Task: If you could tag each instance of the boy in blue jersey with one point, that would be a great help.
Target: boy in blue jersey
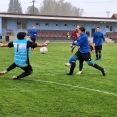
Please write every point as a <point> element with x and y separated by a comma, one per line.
<point>83,54</point>
<point>33,34</point>
<point>22,53</point>
<point>98,38</point>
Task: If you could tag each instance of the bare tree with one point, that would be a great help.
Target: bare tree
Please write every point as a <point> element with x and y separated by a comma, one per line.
<point>30,10</point>
<point>53,7</point>
<point>14,7</point>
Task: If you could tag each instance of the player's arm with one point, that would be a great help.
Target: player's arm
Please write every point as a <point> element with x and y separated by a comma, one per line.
<point>79,43</point>
<point>104,40</point>
<point>93,39</point>
<point>34,45</point>
<point>3,45</point>
<point>10,44</point>
<point>29,33</point>
<point>91,48</point>
<point>36,33</point>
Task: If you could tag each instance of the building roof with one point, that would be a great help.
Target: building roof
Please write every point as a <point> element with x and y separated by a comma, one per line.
<point>56,17</point>
<point>114,16</point>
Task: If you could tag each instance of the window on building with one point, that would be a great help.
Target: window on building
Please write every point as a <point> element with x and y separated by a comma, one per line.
<point>4,25</point>
<point>74,25</point>
<point>66,25</point>
<point>109,28</point>
<point>83,25</point>
<point>46,24</point>
<point>21,25</point>
<point>57,25</point>
<point>37,24</point>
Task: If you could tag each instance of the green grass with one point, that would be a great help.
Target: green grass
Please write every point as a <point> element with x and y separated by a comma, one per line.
<point>58,97</point>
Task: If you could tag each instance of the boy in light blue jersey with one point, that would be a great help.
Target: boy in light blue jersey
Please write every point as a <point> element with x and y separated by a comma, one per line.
<point>98,38</point>
<point>21,54</point>
<point>83,54</point>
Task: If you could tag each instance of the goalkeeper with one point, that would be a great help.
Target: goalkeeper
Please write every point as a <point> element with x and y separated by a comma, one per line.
<point>22,53</point>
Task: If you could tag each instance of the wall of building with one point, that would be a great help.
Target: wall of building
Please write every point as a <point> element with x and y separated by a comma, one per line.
<point>0,26</point>
<point>71,25</point>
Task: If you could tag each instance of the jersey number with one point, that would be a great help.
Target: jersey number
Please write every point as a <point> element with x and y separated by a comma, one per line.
<point>17,47</point>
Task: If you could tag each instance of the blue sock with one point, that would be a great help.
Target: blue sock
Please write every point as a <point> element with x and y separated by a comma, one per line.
<point>73,58</point>
<point>80,67</point>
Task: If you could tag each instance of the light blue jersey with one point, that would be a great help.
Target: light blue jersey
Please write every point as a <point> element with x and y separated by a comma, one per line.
<point>21,50</point>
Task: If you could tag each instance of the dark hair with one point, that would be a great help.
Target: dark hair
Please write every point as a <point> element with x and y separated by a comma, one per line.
<point>82,29</point>
<point>98,27</point>
<point>21,35</point>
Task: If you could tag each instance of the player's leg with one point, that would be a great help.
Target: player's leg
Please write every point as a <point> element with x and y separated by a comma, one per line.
<point>90,63</point>
<point>72,63</point>
<point>27,71</point>
<point>80,66</point>
<point>11,67</point>
<point>96,53</point>
<point>87,58</point>
<point>99,55</point>
<point>73,58</point>
<point>100,48</point>
<point>33,40</point>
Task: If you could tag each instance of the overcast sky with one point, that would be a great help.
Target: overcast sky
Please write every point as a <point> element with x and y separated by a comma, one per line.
<point>92,8</point>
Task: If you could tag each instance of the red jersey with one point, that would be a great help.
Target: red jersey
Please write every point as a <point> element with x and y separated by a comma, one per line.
<point>91,47</point>
<point>74,35</point>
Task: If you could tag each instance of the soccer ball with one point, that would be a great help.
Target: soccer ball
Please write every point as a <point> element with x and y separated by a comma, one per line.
<point>43,50</point>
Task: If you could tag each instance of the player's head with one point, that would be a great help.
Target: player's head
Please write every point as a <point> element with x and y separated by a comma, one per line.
<point>77,28</point>
<point>21,35</point>
<point>98,29</point>
<point>81,30</point>
<point>34,27</point>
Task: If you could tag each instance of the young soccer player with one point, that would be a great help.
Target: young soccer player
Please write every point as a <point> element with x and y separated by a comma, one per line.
<point>83,54</point>
<point>97,40</point>
<point>75,36</point>
<point>33,34</point>
<point>81,62</point>
<point>22,54</point>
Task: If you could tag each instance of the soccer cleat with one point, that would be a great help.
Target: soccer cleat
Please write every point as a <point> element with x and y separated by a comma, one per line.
<point>3,72</point>
<point>67,64</point>
<point>96,59</point>
<point>15,77</point>
<point>99,59</point>
<point>79,72</point>
<point>103,72</point>
<point>69,74</point>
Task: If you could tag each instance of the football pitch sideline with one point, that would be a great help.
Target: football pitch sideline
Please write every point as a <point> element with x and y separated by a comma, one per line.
<point>49,92</point>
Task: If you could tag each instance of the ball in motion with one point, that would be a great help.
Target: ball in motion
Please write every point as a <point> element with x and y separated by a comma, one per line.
<point>43,50</point>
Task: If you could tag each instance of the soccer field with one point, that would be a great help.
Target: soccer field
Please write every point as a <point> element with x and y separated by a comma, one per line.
<point>48,92</point>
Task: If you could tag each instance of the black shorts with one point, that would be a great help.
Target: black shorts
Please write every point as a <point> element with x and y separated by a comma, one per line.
<point>33,39</point>
<point>83,56</point>
<point>26,69</point>
<point>98,47</point>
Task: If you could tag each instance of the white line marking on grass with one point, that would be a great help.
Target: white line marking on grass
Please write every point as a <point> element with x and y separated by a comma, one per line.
<point>80,87</point>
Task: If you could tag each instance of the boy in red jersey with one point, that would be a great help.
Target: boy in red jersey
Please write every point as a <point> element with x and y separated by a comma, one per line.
<point>75,36</point>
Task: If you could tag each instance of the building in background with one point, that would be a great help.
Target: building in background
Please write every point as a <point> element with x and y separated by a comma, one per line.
<point>11,24</point>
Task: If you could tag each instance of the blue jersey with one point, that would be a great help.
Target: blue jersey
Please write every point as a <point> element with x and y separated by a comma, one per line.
<point>98,38</point>
<point>32,33</point>
<point>21,53</point>
<point>83,42</point>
